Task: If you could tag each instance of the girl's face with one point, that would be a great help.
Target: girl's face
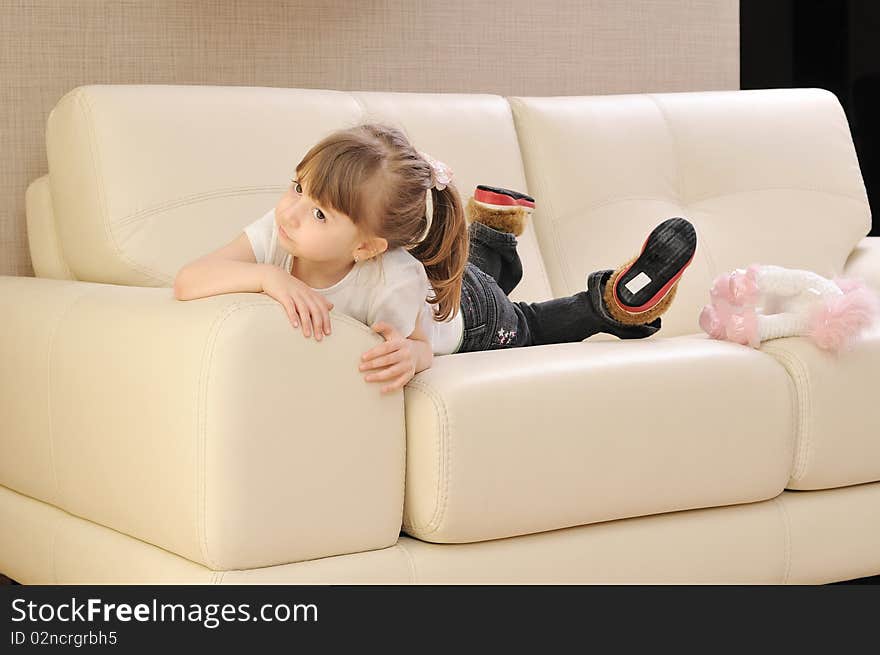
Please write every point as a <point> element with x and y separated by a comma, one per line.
<point>312,232</point>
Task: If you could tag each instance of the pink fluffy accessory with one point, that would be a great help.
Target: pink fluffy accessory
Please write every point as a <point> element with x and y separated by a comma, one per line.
<point>739,287</point>
<point>442,173</point>
<point>749,306</point>
<point>721,320</point>
<point>837,321</point>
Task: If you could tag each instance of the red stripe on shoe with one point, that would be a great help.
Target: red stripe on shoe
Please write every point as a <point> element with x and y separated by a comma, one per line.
<point>492,198</point>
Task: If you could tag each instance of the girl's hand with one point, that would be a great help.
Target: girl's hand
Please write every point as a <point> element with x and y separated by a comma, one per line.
<point>302,303</point>
<point>396,355</point>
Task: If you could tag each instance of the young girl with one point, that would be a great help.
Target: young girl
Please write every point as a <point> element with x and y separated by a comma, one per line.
<point>375,229</point>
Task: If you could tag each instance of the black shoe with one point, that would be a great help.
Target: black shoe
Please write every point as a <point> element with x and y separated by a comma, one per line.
<point>666,253</point>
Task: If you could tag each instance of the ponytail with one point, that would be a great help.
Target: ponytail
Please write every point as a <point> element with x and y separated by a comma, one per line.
<point>444,251</point>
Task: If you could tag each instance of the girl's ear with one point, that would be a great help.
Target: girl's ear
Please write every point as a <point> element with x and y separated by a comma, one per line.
<point>372,247</point>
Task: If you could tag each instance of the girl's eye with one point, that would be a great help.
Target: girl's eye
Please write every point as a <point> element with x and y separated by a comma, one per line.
<point>319,214</point>
<point>297,187</point>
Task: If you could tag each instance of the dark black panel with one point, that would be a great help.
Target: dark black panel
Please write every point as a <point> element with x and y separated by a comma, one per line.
<point>829,44</point>
<point>766,51</point>
<point>820,39</point>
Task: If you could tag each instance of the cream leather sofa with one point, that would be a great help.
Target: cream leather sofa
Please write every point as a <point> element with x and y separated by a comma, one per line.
<point>149,440</point>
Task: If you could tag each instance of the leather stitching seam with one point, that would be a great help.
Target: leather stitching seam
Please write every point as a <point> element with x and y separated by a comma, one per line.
<point>443,460</point>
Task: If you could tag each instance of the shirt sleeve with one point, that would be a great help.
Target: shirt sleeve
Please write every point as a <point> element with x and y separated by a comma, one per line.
<point>400,301</point>
<point>259,233</point>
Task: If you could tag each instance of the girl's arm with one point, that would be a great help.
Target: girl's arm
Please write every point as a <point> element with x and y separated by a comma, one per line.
<point>230,269</point>
<point>424,355</point>
<point>234,269</point>
<point>422,347</point>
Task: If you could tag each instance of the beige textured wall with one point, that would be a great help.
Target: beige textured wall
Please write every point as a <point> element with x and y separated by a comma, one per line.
<point>520,47</point>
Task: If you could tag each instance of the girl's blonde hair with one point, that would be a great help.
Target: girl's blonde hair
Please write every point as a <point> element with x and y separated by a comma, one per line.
<point>373,174</point>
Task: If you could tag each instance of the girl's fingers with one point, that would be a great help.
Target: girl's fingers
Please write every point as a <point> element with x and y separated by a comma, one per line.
<point>387,374</point>
<point>314,317</point>
<point>326,315</point>
<point>399,383</point>
<point>291,312</point>
<point>381,349</point>
<point>317,320</point>
<point>320,317</point>
<point>379,362</point>
<point>304,316</point>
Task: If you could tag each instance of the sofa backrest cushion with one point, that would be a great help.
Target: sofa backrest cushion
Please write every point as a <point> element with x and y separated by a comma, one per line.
<point>147,178</point>
<point>766,176</point>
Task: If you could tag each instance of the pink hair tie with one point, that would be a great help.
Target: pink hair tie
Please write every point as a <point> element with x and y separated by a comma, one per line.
<point>442,173</point>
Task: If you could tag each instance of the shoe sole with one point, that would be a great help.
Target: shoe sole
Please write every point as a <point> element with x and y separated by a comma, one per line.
<point>665,255</point>
<point>498,198</point>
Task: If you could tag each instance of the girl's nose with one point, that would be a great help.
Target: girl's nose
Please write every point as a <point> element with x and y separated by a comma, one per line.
<point>293,215</point>
<point>297,214</point>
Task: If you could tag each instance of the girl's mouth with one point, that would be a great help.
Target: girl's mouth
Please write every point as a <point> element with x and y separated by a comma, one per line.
<point>283,233</point>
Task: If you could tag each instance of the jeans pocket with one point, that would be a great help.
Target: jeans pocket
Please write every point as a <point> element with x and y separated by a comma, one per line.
<point>506,322</point>
<point>473,339</point>
<point>475,332</point>
<point>474,310</point>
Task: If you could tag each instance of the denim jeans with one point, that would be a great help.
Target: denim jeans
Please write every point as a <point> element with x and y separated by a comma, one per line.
<point>493,321</point>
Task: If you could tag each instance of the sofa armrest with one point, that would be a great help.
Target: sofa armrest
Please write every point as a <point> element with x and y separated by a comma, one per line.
<point>210,428</point>
<point>864,262</point>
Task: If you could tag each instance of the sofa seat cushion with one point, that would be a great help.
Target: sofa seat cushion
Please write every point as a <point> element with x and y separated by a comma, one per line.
<point>509,442</point>
<point>838,419</point>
